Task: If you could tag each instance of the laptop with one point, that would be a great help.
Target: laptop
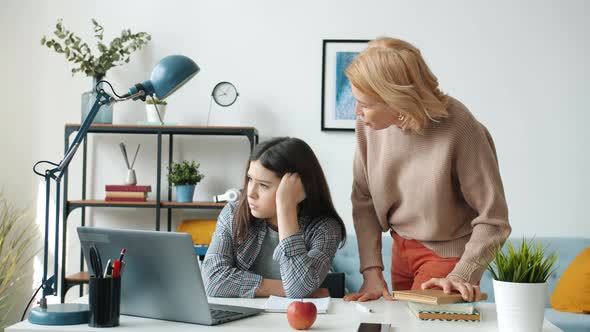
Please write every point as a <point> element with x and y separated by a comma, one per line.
<point>161,278</point>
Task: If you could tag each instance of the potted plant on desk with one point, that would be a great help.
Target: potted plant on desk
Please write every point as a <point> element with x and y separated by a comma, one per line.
<point>520,285</point>
<point>184,176</point>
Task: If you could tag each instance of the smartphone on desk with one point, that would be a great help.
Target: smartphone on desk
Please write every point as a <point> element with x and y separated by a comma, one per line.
<point>373,327</point>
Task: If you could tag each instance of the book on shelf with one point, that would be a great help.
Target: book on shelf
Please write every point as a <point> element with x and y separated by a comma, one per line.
<point>431,296</point>
<point>125,199</point>
<point>124,187</point>
<point>126,194</point>
<point>454,308</point>
<point>475,316</point>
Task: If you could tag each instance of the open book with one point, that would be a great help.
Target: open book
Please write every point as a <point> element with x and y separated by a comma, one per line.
<point>430,296</point>
<point>280,304</point>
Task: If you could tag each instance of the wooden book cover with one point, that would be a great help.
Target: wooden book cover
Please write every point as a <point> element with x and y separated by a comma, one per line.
<point>430,296</point>
<point>425,315</point>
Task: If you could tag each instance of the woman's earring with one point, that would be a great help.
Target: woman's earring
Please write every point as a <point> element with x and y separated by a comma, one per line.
<point>401,117</point>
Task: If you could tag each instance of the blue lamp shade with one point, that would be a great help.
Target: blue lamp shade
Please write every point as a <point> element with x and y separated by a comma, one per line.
<point>169,74</point>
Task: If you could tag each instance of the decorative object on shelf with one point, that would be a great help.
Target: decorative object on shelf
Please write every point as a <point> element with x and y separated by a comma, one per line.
<point>127,193</point>
<point>184,176</point>
<point>155,110</point>
<point>17,236</point>
<point>117,52</point>
<point>169,75</point>
<point>223,94</point>
<point>520,285</point>
<point>231,195</point>
<point>337,100</point>
<point>130,179</point>
<point>201,232</point>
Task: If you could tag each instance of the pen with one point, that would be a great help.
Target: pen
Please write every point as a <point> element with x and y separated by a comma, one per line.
<point>116,268</point>
<point>108,272</point>
<point>123,251</point>
<point>95,261</point>
<point>99,261</point>
<point>363,308</point>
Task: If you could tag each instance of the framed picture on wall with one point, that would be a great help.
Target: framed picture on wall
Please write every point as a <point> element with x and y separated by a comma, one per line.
<point>337,100</point>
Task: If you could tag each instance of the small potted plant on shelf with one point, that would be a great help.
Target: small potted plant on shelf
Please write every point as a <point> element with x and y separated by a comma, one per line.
<point>155,109</point>
<point>520,284</point>
<point>184,176</point>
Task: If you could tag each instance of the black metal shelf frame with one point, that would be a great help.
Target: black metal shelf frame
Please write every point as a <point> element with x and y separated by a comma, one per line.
<point>250,132</point>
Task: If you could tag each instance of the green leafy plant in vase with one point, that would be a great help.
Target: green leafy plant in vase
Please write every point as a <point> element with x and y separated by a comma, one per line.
<point>116,53</point>
<point>184,176</point>
<point>520,284</point>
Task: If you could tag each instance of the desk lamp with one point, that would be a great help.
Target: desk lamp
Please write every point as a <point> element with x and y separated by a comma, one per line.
<point>169,74</point>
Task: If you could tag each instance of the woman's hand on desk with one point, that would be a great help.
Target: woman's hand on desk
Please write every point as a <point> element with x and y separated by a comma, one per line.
<point>469,291</point>
<point>374,286</point>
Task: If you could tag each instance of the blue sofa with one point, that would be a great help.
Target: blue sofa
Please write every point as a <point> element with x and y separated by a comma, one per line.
<point>347,261</point>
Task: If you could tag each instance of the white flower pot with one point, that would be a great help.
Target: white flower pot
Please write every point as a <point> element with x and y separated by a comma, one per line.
<point>152,115</point>
<point>520,307</point>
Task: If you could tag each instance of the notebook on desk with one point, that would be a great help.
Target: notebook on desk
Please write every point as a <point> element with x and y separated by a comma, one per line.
<point>161,278</point>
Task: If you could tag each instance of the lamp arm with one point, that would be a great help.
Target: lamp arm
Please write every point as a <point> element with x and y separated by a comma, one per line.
<point>101,99</point>
<point>50,284</point>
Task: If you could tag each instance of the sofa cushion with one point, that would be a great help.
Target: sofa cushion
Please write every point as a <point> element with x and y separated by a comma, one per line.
<point>572,293</point>
<point>567,321</point>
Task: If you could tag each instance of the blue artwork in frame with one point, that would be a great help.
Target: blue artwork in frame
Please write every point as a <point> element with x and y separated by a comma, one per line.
<point>344,99</point>
<point>337,100</point>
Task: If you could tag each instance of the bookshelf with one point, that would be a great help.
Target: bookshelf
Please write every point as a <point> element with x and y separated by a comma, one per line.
<point>159,132</point>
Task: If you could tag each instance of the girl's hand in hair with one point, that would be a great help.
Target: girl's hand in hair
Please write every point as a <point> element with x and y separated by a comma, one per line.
<point>290,191</point>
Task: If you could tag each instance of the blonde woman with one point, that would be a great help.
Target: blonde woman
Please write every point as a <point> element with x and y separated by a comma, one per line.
<point>426,171</point>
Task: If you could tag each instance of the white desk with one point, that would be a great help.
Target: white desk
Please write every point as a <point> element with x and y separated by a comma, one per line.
<point>341,316</point>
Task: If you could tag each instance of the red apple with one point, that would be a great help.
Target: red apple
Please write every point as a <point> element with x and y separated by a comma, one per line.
<point>301,315</point>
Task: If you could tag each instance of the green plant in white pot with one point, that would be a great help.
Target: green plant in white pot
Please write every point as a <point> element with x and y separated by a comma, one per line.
<point>184,176</point>
<point>155,110</point>
<point>520,285</point>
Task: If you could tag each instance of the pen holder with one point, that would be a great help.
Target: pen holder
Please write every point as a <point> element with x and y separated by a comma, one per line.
<point>104,301</point>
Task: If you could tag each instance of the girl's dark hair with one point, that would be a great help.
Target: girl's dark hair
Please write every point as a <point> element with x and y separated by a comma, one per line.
<point>288,155</point>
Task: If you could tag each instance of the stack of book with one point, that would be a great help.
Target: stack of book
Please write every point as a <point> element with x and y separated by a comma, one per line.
<point>126,193</point>
<point>432,304</point>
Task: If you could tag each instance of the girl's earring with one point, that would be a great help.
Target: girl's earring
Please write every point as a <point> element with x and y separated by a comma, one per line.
<point>401,117</point>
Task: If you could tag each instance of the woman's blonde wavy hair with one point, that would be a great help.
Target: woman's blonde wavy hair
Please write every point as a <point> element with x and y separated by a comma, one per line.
<point>393,71</point>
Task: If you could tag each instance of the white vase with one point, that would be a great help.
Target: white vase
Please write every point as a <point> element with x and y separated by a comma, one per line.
<point>152,115</point>
<point>520,306</point>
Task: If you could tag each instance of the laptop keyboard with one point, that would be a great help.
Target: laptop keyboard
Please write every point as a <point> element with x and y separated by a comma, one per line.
<point>222,314</point>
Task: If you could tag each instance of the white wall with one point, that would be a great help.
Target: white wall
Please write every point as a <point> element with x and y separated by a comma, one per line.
<point>522,68</point>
